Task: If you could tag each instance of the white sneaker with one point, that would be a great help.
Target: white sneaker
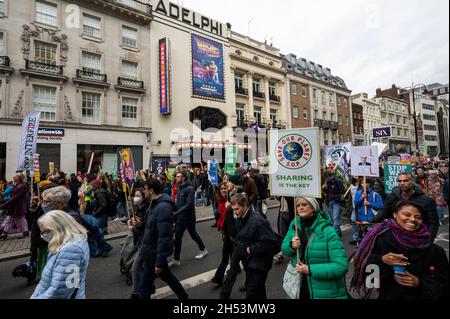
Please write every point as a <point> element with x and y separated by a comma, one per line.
<point>202,254</point>
<point>174,263</point>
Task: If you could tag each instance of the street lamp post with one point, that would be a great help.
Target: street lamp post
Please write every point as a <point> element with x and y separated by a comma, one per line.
<point>413,88</point>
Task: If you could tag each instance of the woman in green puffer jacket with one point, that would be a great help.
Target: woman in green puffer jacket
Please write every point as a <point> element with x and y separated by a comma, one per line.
<point>323,258</point>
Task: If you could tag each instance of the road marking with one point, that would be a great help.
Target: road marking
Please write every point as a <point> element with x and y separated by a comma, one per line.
<point>442,237</point>
<point>189,283</point>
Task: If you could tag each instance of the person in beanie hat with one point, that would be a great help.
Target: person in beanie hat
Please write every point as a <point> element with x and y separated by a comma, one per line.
<point>323,261</point>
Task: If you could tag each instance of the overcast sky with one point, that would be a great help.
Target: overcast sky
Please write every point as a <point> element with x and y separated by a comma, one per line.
<point>369,44</point>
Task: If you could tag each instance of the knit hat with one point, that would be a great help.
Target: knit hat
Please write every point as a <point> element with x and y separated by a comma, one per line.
<point>96,183</point>
<point>313,202</point>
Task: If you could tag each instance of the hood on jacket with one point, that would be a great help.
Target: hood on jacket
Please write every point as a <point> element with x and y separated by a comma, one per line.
<point>164,198</point>
<point>323,220</point>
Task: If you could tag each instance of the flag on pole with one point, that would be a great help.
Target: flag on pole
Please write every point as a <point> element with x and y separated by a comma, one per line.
<point>30,127</point>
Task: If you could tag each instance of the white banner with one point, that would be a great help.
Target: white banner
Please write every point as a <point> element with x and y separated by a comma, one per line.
<point>365,161</point>
<point>337,153</point>
<point>295,163</point>
<point>30,127</point>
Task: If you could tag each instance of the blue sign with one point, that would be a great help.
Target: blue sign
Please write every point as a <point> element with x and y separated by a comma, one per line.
<point>207,69</point>
<point>383,132</point>
<point>213,172</point>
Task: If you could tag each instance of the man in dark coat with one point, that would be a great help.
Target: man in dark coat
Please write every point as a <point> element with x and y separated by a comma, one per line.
<point>249,187</point>
<point>100,211</point>
<point>186,219</point>
<point>334,189</point>
<point>408,190</point>
<point>157,243</point>
<point>255,245</point>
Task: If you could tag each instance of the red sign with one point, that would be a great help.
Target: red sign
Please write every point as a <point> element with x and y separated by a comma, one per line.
<point>164,76</point>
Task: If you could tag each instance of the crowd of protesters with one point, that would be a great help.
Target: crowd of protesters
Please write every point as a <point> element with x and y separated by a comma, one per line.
<point>158,208</point>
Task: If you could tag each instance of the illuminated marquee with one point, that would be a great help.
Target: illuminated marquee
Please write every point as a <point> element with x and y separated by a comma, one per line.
<point>164,77</point>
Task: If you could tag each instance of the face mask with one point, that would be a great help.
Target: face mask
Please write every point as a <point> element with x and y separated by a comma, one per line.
<point>235,216</point>
<point>47,237</point>
<point>46,207</point>
<point>137,201</point>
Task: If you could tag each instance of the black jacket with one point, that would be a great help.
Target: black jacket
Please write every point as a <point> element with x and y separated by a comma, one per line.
<point>429,265</point>
<point>255,232</point>
<point>100,203</point>
<point>334,190</point>
<point>138,230</point>
<point>157,243</point>
<point>419,198</point>
<point>262,184</point>
<point>229,224</point>
<point>185,208</point>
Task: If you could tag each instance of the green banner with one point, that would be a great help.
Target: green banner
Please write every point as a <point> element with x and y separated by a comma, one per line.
<point>391,172</point>
<point>231,156</point>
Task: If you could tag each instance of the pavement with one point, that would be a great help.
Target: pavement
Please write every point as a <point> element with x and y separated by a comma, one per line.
<point>104,280</point>
<point>15,247</point>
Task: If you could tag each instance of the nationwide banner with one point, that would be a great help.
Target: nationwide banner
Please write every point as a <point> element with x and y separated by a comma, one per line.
<point>295,163</point>
<point>30,128</point>
<point>391,172</point>
<point>207,69</point>
<point>127,170</point>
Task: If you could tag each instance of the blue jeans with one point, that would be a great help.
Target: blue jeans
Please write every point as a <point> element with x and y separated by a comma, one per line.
<point>335,211</point>
<point>355,228</point>
<point>98,243</point>
<point>440,212</point>
<point>121,210</point>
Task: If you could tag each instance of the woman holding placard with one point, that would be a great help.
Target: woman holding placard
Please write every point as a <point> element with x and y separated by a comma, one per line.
<point>317,252</point>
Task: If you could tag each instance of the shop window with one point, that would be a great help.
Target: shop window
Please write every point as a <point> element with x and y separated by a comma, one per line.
<point>48,153</point>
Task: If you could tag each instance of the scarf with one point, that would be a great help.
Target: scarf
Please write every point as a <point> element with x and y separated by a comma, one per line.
<point>284,205</point>
<point>406,240</point>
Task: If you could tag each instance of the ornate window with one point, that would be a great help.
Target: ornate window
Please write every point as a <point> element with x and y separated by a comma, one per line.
<point>45,52</point>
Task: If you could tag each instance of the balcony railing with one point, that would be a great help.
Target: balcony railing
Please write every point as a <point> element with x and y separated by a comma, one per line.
<point>131,83</point>
<point>326,124</point>
<point>241,90</point>
<point>4,60</point>
<point>43,67</point>
<point>137,5</point>
<point>92,76</point>
<point>275,98</point>
<point>317,123</point>
<point>334,125</point>
<point>259,95</point>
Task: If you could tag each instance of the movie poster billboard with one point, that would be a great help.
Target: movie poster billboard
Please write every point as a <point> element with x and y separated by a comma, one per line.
<point>207,69</point>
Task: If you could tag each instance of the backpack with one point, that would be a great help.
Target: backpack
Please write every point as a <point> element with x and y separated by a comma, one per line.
<point>112,205</point>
